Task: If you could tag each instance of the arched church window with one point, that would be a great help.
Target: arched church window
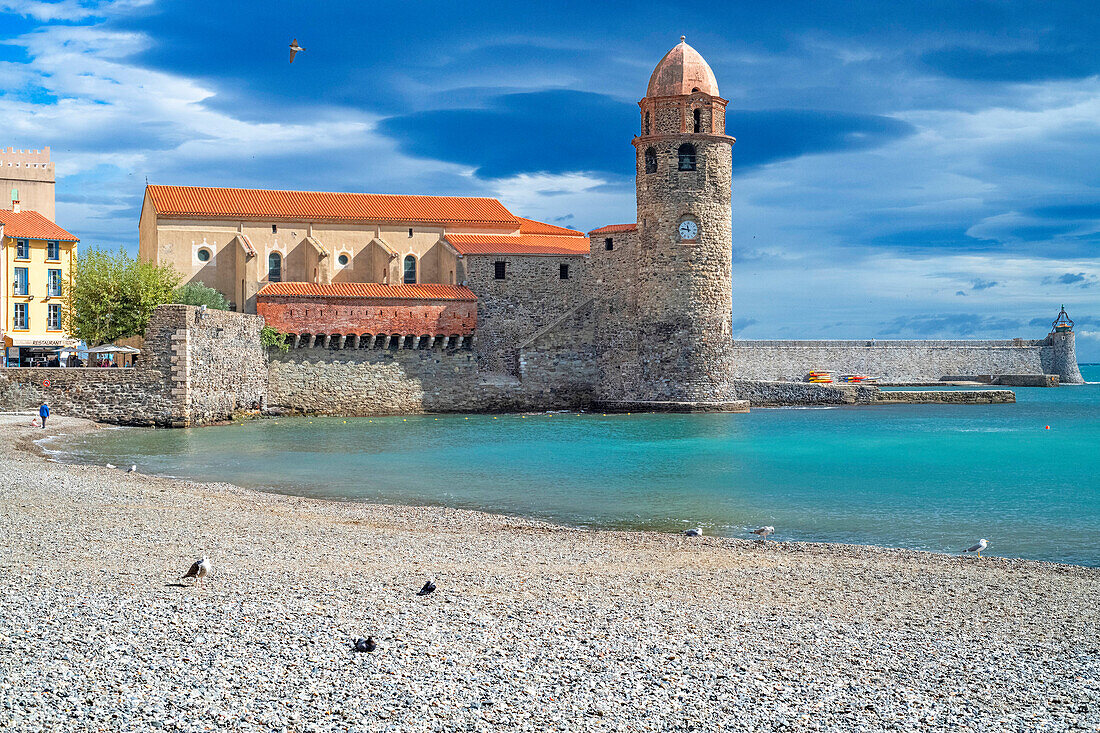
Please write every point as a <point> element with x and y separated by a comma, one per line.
<point>686,155</point>
<point>410,270</point>
<point>274,267</point>
<point>647,123</point>
<point>698,120</point>
<point>650,160</point>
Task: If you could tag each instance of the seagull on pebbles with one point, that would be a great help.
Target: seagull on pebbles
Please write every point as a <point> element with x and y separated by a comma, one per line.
<point>763,532</point>
<point>694,532</point>
<point>200,569</point>
<point>982,544</point>
<point>132,468</point>
<point>428,589</point>
<point>365,645</point>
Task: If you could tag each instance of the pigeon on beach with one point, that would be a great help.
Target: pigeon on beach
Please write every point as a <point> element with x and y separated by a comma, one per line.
<point>763,532</point>
<point>428,588</point>
<point>294,49</point>
<point>200,569</point>
<point>132,468</point>
<point>365,645</point>
<point>982,544</point>
<point>694,532</point>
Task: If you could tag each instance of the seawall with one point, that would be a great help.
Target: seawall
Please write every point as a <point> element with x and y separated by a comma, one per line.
<point>194,369</point>
<point>907,361</point>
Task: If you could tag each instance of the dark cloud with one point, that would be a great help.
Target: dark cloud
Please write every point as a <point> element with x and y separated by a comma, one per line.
<point>1080,279</point>
<point>982,64</point>
<point>954,324</point>
<point>960,292</point>
<point>563,131</point>
<point>740,324</point>
<point>979,284</point>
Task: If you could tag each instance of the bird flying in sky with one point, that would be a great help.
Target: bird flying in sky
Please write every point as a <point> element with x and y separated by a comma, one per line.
<point>294,49</point>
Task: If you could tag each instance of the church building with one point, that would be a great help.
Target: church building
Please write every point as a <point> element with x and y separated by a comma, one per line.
<point>648,301</point>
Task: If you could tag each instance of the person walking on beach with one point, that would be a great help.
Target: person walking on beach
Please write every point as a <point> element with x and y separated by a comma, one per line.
<point>44,412</point>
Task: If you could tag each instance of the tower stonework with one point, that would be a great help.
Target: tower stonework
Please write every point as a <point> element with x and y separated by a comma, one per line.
<point>667,301</point>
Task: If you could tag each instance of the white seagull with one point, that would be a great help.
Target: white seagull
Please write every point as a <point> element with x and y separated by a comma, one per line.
<point>200,569</point>
<point>763,532</point>
<point>132,468</point>
<point>982,544</point>
<point>696,532</point>
<point>294,49</point>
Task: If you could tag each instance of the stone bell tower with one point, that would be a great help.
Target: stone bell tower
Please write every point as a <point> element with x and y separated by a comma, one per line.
<point>681,270</point>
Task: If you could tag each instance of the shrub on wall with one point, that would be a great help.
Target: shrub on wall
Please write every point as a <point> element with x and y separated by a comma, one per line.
<point>269,338</point>
<point>113,295</point>
<point>199,294</point>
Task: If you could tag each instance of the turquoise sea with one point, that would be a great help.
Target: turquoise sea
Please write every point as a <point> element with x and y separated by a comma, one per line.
<point>929,477</point>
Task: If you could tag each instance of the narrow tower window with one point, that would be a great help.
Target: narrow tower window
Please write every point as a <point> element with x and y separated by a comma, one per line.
<point>499,270</point>
<point>650,160</point>
<point>647,123</point>
<point>698,120</point>
<point>274,267</point>
<point>686,155</point>
<point>410,270</point>
<point>563,271</point>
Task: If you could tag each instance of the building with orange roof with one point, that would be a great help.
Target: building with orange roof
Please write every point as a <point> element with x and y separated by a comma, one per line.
<point>241,241</point>
<point>39,263</point>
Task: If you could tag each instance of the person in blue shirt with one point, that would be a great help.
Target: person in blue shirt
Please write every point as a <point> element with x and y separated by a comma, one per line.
<point>44,412</point>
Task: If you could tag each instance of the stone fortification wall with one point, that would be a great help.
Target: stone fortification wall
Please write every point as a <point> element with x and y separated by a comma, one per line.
<point>531,295</point>
<point>410,381</point>
<point>899,361</point>
<point>193,369</point>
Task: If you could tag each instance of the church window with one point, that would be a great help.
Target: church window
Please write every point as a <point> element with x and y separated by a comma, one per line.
<point>410,270</point>
<point>274,267</point>
<point>686,155</point>
<point>609,244</point>
<point>698,120</point>
<point>650,160</point>
<point>274,228</point>
<point>342,259</point>
<point>203,255</point>
<point>563,271</point>
<point>499,269</point>
<point>410,231</point>
<point>647,123</point>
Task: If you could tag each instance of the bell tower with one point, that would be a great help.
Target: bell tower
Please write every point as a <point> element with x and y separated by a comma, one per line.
<point>683,261</point>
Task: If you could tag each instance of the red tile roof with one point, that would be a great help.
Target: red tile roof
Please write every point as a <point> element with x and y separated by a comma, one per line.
<point>530,226</point>
<point>522,244</point>
<point>32,225</point>
<point>243,203</point>
<point>614,229</point>
<point>368,290</point>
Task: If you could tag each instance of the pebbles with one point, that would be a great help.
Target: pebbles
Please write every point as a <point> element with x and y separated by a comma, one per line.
<point>533,627</point>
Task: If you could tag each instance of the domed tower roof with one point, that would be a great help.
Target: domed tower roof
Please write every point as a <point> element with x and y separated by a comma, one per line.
<point>682,71</point>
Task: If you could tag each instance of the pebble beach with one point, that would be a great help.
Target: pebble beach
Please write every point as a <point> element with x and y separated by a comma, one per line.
<point>533,626</point>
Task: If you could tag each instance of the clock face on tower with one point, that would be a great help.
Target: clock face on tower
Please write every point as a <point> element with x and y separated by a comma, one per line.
<point>688,230</point>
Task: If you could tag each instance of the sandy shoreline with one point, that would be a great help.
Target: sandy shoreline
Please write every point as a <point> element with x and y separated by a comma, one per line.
<point>534,626</point>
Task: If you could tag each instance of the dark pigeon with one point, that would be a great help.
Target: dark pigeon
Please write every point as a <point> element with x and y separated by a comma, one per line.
<point>365,645</point>
<point>428,588</point>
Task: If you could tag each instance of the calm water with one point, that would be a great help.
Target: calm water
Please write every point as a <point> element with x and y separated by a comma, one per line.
<point>933,477</point>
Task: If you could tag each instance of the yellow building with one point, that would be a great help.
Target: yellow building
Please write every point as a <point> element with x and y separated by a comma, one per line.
<point>37,265</point>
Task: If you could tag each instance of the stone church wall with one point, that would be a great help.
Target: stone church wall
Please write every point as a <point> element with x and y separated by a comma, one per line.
<point>531,295</point>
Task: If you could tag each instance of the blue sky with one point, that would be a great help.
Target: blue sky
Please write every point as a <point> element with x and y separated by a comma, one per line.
<point>902,169</point>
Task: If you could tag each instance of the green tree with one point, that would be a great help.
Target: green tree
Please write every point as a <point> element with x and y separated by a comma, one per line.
<point>113,295</point>
<point>199,294</point>
<point>273,338</point>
